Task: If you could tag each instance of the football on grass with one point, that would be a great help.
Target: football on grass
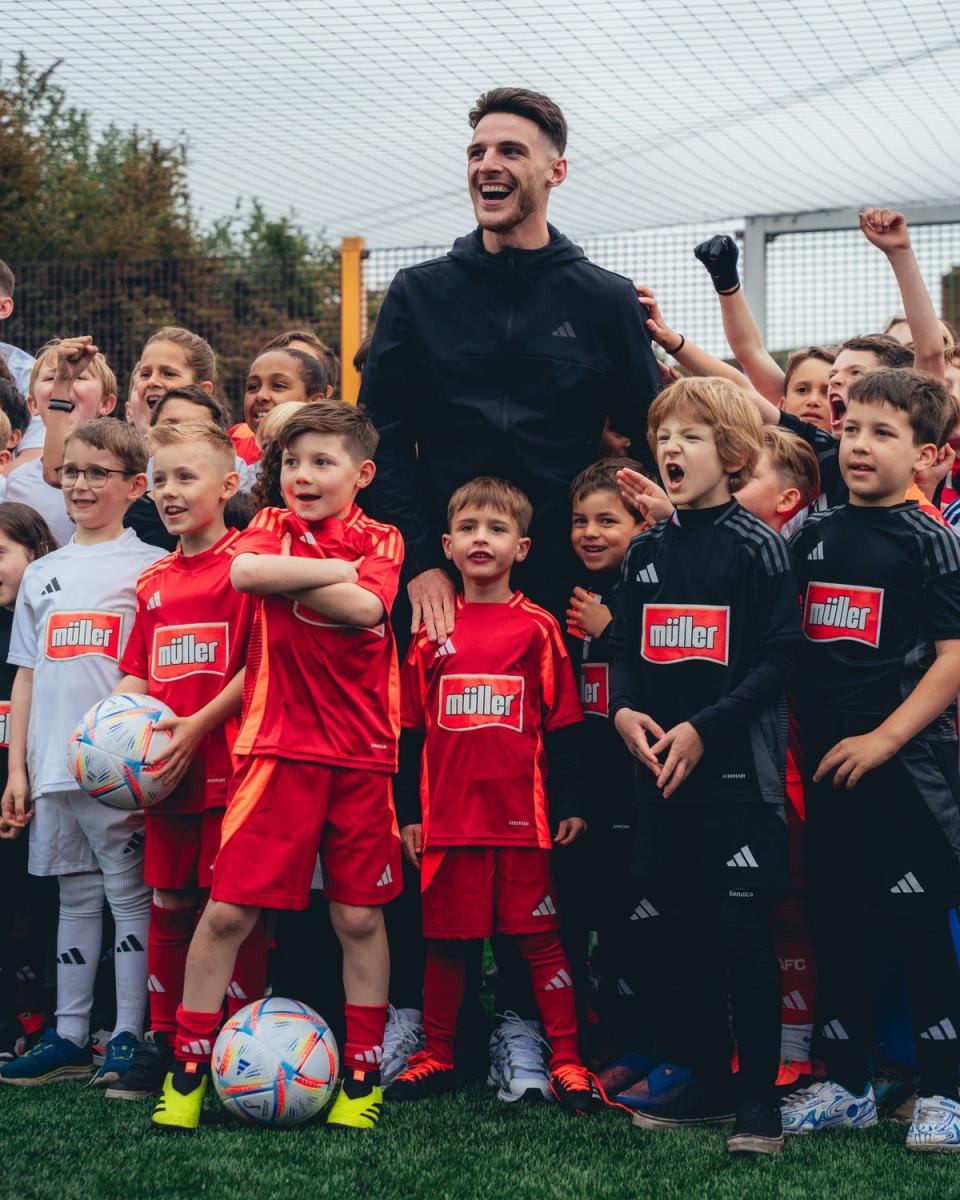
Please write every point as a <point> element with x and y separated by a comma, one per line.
<point>116,751</point>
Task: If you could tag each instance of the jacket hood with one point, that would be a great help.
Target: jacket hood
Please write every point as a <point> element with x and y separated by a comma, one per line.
<point>513,264</point>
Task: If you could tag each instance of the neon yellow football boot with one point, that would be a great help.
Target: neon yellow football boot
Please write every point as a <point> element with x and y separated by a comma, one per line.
<point>358,1104</point>
<point>178,1111</point>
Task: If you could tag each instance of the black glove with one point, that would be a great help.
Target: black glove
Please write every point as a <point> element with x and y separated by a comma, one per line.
<point>719,255</point>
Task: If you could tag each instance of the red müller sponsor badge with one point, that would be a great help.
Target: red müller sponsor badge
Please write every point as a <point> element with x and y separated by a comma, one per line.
<point>835,612</point>
<point>675,633</point>
<point>75,634</point>
<point>182,650</point>
<point>469,702</point>
<point>595,689</point>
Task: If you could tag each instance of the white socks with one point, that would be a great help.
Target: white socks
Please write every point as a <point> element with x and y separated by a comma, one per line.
<point>79,936</point>
<point>129,899</point>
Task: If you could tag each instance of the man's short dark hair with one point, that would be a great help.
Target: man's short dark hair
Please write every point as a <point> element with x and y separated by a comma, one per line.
<point>887,350</point>
<point>930,409</point>
<point>536,107</point>
<point>7,280</point>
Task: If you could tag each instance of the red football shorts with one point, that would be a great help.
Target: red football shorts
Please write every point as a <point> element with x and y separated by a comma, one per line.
<point>476,891</point>
<point>282,811</point>
<point>180,850</point>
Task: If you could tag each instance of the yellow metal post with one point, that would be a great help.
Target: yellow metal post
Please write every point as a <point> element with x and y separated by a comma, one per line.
<point>352,315</point>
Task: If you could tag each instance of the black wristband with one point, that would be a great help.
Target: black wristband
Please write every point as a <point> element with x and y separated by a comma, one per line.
<point>60,405</point>
<point>674,353</point>
<point>730,291</point>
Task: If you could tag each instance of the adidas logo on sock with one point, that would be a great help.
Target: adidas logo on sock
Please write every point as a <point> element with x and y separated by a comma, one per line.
<point>447,648</point>
<point>943,1031</point>
<point>648,574</point>
<point>908,886</point>
<point>72,958</point>
<point>564,330</point>
<point>643,910</point>
<point>835,1032</point>
<point>154,985</point>
<point>129,944</point>
<point>373,1056</point>
<point>52,586</point>
<point>546,908</point>
<point>386,878</point>
<point>560,980</point>
<point>816,554</point>
<point>200,1046</point>
<point>795,1002</point>
<point>134,844</point>
<point>154,601</point>
<point>235,991</point>
<point>743,858</point>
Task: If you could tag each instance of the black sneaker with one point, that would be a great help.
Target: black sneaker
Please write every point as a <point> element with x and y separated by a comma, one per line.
<point>575,1089</point>
<point>758,1129</point>
<point>152,1059</point>
<point>692,1107</point>
<point>423,1076</point>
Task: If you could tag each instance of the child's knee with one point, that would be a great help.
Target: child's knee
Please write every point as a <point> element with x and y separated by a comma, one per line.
<point>355,922</point>
<point>228,922</point>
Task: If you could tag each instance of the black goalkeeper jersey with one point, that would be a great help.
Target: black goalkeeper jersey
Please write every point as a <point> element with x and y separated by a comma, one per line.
<point>609,762</point>
<point>833,490</point>
<point>706,631</point>
<point>880,586</point>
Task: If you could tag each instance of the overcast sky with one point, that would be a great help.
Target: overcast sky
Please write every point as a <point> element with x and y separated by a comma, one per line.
<point>353,114</point>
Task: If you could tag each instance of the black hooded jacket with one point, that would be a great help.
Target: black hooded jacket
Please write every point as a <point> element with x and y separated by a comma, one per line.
<point>502,364</point>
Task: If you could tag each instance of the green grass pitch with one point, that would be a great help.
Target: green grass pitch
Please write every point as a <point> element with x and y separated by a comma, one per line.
<point>66,1142</point>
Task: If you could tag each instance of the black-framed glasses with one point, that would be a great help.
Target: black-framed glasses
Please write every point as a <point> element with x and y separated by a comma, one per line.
<point>96,477</point>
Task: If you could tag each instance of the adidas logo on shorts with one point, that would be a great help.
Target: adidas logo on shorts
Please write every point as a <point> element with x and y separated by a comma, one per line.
<point>907,886</point>
<point>795,1002</point>
<point>743,858</point>
<point>560,980</point>
<point>943,1031</point>
<point>835,1032</point>
<point>546,908</point>
<point>565,331</point>
<point>386,878</point>
<point>643,911</point>
<point>135,843</point>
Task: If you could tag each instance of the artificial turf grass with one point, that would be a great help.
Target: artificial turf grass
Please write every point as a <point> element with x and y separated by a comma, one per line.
<point>68,1142</point>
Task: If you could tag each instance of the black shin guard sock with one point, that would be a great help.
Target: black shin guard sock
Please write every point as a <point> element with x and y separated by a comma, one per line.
<point>360,1083</point>
<point>188,1076</point>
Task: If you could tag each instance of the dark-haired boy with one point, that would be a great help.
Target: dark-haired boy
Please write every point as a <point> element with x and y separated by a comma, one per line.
<point>881,596</point>
<point>318,748</point>
<point>488,707</point>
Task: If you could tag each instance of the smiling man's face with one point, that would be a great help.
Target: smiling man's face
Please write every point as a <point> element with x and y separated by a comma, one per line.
<point>511,167</point>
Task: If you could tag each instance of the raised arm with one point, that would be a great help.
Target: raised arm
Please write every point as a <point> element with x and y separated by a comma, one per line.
<point>719,255</point>
<point>887,230</point>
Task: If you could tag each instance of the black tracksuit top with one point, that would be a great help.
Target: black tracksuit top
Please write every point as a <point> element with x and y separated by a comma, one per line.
<point>706,631</point>
<point>502,364</point>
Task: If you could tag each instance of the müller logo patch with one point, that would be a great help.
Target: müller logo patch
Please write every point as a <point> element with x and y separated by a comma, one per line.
<point>469,702</point>
<point>182,650</point>
<point>4,724</point>
<point>834,612</point>
<point>595,689</point>
<point>680,632</point>
<point>76,634</point>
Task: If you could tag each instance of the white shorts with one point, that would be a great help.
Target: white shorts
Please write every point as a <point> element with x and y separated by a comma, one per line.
<point>70,832</point>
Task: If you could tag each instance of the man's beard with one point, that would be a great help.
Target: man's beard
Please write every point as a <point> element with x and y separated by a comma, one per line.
<point>502,222</point>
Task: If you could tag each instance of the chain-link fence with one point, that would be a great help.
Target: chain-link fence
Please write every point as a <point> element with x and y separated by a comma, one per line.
<point>818,285</point>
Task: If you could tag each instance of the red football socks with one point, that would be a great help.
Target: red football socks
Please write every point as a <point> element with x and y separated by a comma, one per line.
<point>168,941</point>
<point>444,975</point>
<point>363,1048</point>
<point>249,977</point>
<point>196,1033</point>
<point>553,989</point>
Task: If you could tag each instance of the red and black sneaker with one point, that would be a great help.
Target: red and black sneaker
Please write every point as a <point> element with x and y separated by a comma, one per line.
<point>423,1076</point>
<point>575,1088</point>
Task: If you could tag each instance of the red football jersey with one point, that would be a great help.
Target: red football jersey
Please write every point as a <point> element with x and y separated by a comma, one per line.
<point>189,639</point>
<point>485,699</point>
<point>317,690</point>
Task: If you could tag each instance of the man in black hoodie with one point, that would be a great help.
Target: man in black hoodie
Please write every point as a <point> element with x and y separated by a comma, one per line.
<point>502,358</point>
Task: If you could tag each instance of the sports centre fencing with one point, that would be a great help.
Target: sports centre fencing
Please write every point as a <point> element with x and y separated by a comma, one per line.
<point>809,277</point>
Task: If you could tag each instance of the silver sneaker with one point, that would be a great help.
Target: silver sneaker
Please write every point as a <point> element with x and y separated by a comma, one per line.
<point>517,1068</point>
<point>402,1038</point>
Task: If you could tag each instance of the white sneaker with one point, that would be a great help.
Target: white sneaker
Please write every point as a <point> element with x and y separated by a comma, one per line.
<point>827,1105</point>
<point>517,1068</point>
<point>402,1038</point>
<point>936,1125</point>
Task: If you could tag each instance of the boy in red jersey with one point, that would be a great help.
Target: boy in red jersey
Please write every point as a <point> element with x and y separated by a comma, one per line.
<point>491,701</point>
<point>321,690</point>
<point>187,648</point>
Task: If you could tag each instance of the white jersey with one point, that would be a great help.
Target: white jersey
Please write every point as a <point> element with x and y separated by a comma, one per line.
<point>21,366</point>
<point>73,616</point>
<point>26,485</point>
